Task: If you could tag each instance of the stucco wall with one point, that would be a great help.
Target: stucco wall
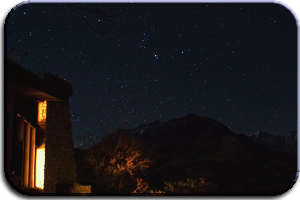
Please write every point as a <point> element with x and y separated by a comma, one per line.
<point>60,167</point>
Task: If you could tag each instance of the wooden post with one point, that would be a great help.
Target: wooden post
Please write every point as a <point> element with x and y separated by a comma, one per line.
<point>32,158</point>
<point>26,155</point>
<point>20,137</point>
<point>20,141</point>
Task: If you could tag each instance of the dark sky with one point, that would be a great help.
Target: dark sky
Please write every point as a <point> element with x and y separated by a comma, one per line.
<point>236,63</point>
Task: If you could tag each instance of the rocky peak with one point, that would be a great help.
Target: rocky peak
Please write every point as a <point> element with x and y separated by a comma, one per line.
<point>260,133</point>
<point>291,138</point>
<point>275,142</point>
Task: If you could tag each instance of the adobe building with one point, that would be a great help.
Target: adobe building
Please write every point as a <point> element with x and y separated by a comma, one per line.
<point>38,133</point>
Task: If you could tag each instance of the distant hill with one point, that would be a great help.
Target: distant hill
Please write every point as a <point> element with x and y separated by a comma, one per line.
<point>194,147</point>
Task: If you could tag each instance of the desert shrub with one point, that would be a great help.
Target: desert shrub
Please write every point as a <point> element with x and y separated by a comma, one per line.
<point>191,186</point>
<point>155,193</point>
<point>182,187</point>
<point>117,160</point>
<point>143,189</point>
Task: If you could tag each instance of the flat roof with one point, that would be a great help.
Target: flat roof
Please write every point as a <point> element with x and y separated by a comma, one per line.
<point>26,83</point>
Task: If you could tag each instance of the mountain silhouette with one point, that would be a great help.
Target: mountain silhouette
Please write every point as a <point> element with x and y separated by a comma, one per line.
<point>195,147</point>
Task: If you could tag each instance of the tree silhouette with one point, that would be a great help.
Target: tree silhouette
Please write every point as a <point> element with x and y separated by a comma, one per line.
<point>88,139</point>
<point>118,161</point>
<point>97,12</point>
<point>90,13</point>
<point>13,51</point>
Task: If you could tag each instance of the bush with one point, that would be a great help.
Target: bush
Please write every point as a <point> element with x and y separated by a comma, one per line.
<point>142,189</point>
<point>181,187</point>
<point>191,186</point>
<point>155,193</point>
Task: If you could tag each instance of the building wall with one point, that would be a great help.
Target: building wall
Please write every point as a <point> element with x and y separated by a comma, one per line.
<point>60,167</point>
<point>14,151</point>
<point>10,101</point>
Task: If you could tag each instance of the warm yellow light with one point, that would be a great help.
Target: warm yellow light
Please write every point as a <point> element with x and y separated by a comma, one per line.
<point>40,167</point>
<point>42,111</point>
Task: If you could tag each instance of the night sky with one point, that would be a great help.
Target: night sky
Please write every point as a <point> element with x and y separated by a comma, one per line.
<point>236,63</point>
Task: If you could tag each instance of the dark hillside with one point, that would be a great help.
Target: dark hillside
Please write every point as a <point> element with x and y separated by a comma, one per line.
<point>195,147</point>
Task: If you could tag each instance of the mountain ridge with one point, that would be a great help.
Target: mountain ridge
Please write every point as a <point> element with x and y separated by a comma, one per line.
<point>286,143</point>
<point>193,147</point>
